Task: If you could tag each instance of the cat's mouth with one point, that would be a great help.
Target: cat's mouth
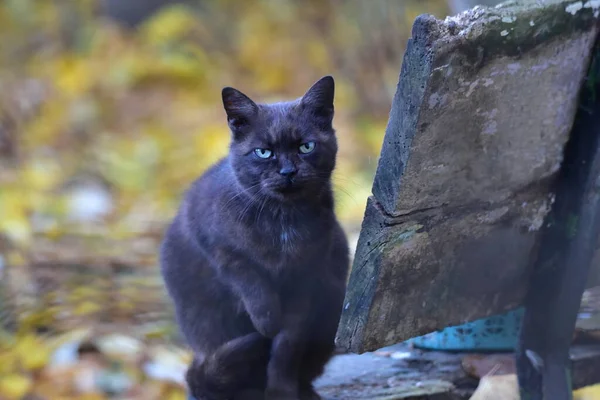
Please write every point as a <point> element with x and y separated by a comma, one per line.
<point>286,188</point>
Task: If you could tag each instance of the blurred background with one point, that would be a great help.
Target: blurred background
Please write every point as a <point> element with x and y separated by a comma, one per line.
<point>108,110</point>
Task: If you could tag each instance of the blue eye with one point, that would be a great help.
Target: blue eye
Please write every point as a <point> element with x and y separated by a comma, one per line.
<point>263,153</point>
<point>307,147</point>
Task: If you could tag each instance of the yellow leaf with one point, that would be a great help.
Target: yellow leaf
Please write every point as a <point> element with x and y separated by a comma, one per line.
<point>170,24</point>
<point>38,175</point>
<point>14,387</point>
<point>317,55</point>
<point>14,221</point>
<point>15,258</point>
<point>176,394</point>
<point>587,393</point>
<point>9,362</point>
<point>211,144</point>
<point>87,307</point>
<point>32,352</point>
<point>46,126</point>
<point>73,76</point>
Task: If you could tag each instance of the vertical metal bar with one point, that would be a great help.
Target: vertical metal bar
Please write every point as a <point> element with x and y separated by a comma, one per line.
<point>566,249</point>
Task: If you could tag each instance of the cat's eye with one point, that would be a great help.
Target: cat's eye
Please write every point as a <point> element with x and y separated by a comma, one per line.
<point>307,147</point>
<point>263,153</point>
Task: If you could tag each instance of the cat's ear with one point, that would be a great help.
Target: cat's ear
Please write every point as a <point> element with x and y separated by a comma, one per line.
<point>319,99</point>
<point>240,108</point>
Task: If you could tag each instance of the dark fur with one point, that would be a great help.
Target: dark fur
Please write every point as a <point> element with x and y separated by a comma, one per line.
<point>255,261</point>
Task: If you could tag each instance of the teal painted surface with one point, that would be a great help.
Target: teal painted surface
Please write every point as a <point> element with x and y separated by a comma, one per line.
<point>495,333</point>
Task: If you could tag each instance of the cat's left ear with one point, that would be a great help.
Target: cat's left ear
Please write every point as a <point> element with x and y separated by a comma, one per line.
<point>319,99</point>
<point>240,109</point>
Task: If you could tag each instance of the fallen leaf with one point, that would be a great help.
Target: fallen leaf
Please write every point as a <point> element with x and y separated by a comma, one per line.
<point>479,365</point>
<point>497,387</point>
<point>587,393</point>
<point>14,387</point>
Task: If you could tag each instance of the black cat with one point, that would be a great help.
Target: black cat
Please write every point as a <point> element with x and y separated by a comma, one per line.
<point>255,260</point>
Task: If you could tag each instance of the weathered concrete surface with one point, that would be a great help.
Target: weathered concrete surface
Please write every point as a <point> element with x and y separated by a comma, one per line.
<point>484,107</point>
<point>400,372</point>
<point>396,373</point>
<point>478,115</point>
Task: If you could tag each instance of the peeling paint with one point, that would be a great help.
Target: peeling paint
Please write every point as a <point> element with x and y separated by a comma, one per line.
<point>472,87</point>
<point>409,233</point>
<point>504,33</point>
<point>493,216</point>
<point>540,214</point>
<point>441,67</point>
<point>593,4</point>
<point>435,167</point>
<point>509,20</point>
<point>390,336</point>
<point>490,128</point>
<point>574,7</point>
<point>513,68</point>
<point>491,125</point>
<point>436,100</point>
<point>541,67</point>
<point>531,23</point>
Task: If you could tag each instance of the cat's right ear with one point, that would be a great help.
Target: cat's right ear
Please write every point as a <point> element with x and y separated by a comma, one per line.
<point>319,100</point>
<point>240,109</point>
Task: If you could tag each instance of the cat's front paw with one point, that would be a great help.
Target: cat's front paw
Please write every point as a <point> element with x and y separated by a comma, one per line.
<point>268,323</point>
<point>280,394</point>
<point>266,316</point>
<point>250,395</point>
<point>309,393</point>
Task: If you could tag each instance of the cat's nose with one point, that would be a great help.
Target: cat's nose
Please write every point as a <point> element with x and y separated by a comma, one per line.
<point>288,171</point>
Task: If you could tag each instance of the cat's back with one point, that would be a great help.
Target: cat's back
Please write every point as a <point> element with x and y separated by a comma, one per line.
<point>202,200</point>
<point>211,184</point>
<point>199,207</point>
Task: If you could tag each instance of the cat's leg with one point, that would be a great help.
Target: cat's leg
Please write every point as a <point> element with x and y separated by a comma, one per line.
<point>326,309</point>
<point>232,370</point>
<point>319,350</point>
<point>234,356</point>
<point>313,365</point>
<point>284,367</point>
<point>250,394</point>
<point>255,290</point>
<point>289,345</point>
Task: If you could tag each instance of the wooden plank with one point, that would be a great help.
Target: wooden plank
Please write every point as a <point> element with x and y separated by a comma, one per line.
<point>484,107</point>
<point>566,252</point>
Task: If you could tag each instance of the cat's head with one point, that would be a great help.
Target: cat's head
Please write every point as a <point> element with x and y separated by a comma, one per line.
<point>284,150</point>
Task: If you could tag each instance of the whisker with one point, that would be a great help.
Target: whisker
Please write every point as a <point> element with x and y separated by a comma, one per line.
<point>336,177</point>
<point>262,206</point>
<point>243,191</point>
<point>344,191</point>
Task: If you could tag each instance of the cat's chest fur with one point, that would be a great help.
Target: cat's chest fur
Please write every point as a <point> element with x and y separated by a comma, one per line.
<point>288,238</point>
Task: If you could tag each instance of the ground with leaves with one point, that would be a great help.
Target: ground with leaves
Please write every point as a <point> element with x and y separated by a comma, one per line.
<point>103,126</point>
